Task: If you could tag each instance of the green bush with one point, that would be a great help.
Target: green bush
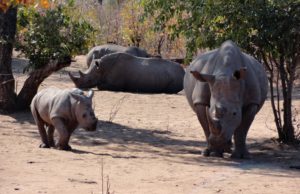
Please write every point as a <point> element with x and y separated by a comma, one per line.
<point>49,34</point>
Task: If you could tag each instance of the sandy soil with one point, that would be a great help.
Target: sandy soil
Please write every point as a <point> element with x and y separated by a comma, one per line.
<point>152,146</point>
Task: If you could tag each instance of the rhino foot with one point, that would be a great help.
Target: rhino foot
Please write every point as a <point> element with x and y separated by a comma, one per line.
<point>51,144</point>
<point>206,152</point>
<point>240,154</point>
<point>214,153</point>
<point>65,147</point>
<point>44,146</point>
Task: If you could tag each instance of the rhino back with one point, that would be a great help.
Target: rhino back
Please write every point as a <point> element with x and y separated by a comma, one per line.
<point>136,51</point>
<point>53,102</point>
<point>99,51</point>
<point>138,74</point>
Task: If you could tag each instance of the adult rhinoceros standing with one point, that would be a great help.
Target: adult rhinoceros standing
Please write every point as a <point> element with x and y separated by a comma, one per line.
<point>226,88</point>
<point>99,51</point>
<point>124,72</point>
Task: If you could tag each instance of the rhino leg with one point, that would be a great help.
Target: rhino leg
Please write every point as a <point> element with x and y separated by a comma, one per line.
<point>64,135</point>
<point>50,132</point>
<point>43,134</point>
<point>202,117</point>
<point>240,150</point>
<point>41,127</point>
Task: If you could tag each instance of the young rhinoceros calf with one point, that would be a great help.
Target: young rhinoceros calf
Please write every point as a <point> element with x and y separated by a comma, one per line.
<point>63,110</point>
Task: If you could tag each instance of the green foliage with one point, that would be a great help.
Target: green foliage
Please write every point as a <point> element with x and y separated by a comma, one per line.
<point>51,34</point>
<point>267,25</point>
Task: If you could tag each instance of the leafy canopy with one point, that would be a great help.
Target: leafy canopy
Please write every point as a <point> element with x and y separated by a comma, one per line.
<point>255,25</point>
<point>5,4</point>
<point>51,34</point>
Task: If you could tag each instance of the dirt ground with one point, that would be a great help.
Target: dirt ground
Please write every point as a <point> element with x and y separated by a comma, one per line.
<point>152,145</point>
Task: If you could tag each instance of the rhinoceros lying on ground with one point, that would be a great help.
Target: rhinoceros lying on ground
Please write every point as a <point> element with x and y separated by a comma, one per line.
<point>226,88</point>
<point>99,51</point>
<point>62,110</point>
<point>124,72</point>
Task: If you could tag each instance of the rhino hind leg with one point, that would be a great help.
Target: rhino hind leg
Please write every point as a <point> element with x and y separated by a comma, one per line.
<point>50,132</point>
<point>64,135</point>
<point>41,127</point>
<point>240,134</point>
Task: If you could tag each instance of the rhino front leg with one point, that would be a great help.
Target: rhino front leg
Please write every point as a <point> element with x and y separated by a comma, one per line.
<point>202,117</point>
<point>240,134</point>
<point>64,135</point>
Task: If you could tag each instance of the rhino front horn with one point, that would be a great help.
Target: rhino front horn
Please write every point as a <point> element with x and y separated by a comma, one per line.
<point>81,74</point>
<point>74,79</point>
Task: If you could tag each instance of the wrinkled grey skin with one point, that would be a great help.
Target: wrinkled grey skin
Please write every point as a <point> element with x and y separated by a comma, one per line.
<point>63,110</point>
<point>99,51</point>
<point>124,72</point>
<point>226,88</point>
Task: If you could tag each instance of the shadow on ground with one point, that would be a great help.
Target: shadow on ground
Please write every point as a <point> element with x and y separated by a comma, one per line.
<point>266,153</point>
<point>125,142</point>
<point>137,140</point>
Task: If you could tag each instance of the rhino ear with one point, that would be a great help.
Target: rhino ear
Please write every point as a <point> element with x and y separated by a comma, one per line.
<point>240,74</point>
<point>77,97</point>
<point>203,77</point>
<point>90,94</point>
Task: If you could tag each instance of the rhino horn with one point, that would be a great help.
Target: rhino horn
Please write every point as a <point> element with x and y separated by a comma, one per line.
<point>74,79</point>
<point>81,74</point>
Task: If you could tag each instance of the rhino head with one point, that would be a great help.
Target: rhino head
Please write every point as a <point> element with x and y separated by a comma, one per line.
<point>225,112</point>
<point>83,110</point>
<point>88,79</point>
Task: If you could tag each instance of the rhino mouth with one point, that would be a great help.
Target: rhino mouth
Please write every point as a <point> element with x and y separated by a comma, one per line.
<point>220,143</point>
<point>82,80</point>
<point>93,127</point>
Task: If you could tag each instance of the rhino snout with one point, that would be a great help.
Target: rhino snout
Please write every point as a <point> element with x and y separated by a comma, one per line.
<point>93,127</point>
<point>220,142</point>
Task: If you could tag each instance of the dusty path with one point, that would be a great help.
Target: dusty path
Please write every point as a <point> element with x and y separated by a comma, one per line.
<point>152,146</point>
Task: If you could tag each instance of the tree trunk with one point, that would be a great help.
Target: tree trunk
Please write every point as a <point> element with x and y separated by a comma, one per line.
<point>34,80</point>
<point>287,85</point>
<point>8,21</point>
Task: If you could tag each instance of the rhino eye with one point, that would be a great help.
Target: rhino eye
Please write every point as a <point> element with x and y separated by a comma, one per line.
<point>84,115</point>
<point>234,113</point>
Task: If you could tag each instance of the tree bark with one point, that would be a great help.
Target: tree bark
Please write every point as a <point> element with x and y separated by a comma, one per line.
<point>8,21</point>
<point>34,80</point>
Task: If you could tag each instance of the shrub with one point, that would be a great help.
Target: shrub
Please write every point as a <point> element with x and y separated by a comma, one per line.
<point>51,34</point>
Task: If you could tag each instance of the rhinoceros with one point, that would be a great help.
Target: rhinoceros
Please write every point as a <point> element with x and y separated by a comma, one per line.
<point>226,88</point>
<point>124,72</point>
<point>63,110</point>
<point>99,51</point>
